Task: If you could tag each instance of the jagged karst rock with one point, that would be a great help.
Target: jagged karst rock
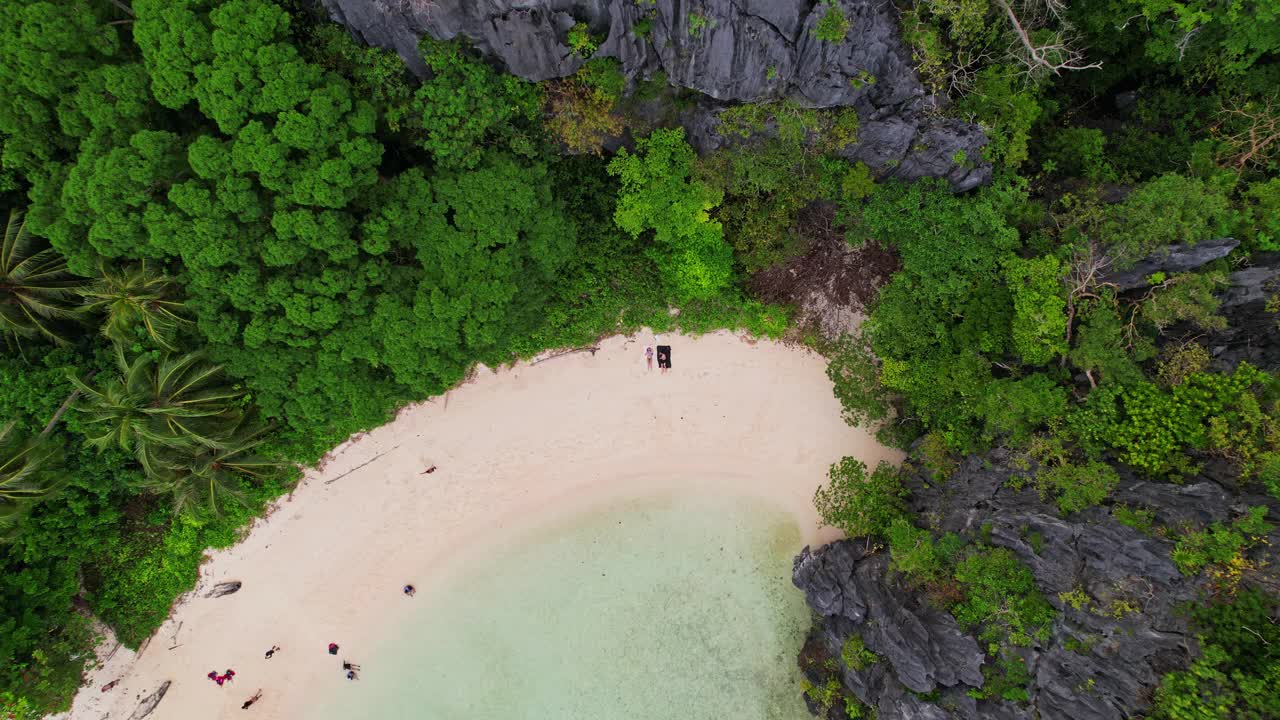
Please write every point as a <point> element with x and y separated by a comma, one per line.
<point>1253,332</point>
<point>1102,660</point>
<point>925,647</point>
<point>1172,259</point>
<point>729,50</point>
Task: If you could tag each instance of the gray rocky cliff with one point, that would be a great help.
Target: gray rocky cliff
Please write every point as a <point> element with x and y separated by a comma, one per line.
<point>1098,663</point>
<point>729,50</point>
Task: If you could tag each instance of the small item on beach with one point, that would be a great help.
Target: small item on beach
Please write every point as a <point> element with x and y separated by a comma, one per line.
<point>664,358</point>
<point>214,676</point>
<point>333,648</point>
<point>256,697</point>
<point>648,356</point>
<point>228,675</point>
<point>348,665</point>
<point>410,590</point>
<point>272,651</point>
<point>428,471</point>
<point>110,685</point>
<point>351,675</point>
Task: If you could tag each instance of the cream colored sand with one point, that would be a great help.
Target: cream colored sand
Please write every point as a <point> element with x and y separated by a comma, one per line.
<point>513,449</point>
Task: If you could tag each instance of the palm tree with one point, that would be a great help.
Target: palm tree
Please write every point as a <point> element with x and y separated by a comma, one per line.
<point>36,290</point>
<point>210,476</point>
<point>24,473</point>
<point>179,402</point>
<point>136,296</point>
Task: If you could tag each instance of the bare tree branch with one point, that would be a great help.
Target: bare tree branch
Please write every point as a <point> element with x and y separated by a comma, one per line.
<point>1251,131</point>
<point>1055,57</point>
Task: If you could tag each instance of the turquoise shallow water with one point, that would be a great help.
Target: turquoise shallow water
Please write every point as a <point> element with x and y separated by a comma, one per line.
<point>674,608</point>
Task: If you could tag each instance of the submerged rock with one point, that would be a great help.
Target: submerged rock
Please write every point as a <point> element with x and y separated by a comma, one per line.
<point>731,51</point>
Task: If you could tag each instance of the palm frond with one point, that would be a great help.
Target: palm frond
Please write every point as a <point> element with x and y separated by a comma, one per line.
<point>36,289</point>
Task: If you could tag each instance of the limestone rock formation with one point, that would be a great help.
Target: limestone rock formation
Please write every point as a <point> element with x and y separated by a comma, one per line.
<point>1101,661</point>
<point>1172,259</point>
<point>728,50</point>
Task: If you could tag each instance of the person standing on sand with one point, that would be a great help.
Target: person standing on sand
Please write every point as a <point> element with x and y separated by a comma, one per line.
<point>256,697</point>
<point>648,357</point>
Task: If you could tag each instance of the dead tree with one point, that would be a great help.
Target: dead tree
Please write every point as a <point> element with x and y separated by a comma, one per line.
<point>1060,55</point>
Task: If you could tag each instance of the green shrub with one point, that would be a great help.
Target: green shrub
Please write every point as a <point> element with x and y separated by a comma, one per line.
<point>581,41</point>
<point>1076,487</point>
<point>833,26</point>
<point>1140,519</point>
<point>855,655</point>
<point>1207,411</point>
<point>1238,672</point>
<point>1001,598</point>
<point>1221,544</point>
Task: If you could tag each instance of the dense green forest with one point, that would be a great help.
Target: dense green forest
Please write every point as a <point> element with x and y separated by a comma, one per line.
<point>235,237</point>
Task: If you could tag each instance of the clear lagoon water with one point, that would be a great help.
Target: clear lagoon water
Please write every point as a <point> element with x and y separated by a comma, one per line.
<point>671,608</point>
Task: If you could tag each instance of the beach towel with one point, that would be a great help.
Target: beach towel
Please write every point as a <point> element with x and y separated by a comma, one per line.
<point>664,356</point>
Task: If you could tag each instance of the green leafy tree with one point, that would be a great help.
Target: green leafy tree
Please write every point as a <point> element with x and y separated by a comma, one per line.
<point>136,297</point>
<point>860,504</point>
<point>466,105</point>
<point>1039,308</point>
<point>658,194</point>
<point>1170,209</point>
<point>580,108</point>
<point>1015,408</point>
<point>36,290</point>
<point>855,378</point>
<point>942,319</point>
<point>1104,352</point>
<point>488,245</point>
<point>1001,597</point>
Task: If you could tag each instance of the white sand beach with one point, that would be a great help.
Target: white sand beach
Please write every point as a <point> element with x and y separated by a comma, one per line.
<point>513,449</point>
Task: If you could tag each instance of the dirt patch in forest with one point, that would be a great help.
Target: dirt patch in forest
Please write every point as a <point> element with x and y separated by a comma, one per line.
<point>831,284</point>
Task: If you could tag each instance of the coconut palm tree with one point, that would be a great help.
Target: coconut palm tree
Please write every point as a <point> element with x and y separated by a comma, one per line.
<point>36,290</point>
<point>24,473</point>
<point>179,402</point>
<point>208,477</point>
<point>137,296</point>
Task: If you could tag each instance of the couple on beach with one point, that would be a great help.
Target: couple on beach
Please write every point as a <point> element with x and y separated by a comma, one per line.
<point>664,357</point>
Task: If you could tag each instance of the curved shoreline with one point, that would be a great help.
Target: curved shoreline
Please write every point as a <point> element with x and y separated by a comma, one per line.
<point>514,450</point>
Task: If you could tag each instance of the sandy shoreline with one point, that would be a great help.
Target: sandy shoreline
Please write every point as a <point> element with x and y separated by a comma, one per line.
<point>515,450</point>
